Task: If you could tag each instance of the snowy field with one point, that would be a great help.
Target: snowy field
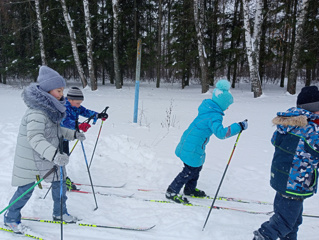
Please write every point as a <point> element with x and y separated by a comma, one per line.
<point>141,155</point>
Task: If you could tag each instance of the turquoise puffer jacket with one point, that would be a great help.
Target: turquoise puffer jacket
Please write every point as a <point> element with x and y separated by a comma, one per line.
<point>191,148</point>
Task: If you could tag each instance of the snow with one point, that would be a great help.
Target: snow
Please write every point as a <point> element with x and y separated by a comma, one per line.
<point>142,156</point>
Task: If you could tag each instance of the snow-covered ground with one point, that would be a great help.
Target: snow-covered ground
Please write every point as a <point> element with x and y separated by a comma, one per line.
<point>141,155</point>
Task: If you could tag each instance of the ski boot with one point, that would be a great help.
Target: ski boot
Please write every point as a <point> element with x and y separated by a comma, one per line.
<point>69,184</point>
<point>194,193</point>
<point>176,197</point>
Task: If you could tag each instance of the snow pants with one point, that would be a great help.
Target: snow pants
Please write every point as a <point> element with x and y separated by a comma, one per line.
<point>13,214</point>
<point>187,177</point>
<point>286,220</point>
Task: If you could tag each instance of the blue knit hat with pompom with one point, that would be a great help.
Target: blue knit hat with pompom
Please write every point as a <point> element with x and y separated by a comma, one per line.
<point>221,94</point>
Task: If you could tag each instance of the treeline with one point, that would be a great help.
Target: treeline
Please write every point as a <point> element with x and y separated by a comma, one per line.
<point>178,43</point>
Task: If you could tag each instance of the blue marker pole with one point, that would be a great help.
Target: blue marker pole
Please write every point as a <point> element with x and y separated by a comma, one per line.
<point>137,78</point>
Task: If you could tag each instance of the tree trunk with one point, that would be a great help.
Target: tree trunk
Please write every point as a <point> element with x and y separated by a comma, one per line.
<point>115,6</point>
<point>252,46</point>
<point>39,23</point>
<point>292,77</point>
<point>89,44</point>
<point>159,44</point>
<point>73,44</point>
<point>199,24</point>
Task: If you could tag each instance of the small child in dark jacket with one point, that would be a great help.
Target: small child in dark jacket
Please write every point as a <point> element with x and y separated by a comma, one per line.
<point>191,148</point>
<point>74,109</point>
<point>294,165</point>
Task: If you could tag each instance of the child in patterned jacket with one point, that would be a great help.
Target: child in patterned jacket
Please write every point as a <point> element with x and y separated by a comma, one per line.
<point>191,148</point>
<point>74,109</point>
<point>294,165</point>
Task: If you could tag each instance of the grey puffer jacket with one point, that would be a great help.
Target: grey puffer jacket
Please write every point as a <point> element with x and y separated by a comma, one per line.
<point>38,137</point>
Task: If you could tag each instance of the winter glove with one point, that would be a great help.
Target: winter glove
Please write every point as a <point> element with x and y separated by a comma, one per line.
<point>243,125</point>
<point>103,116</point>
<point>84,126</point>
<point>61,159</point>
<point>80,136</point>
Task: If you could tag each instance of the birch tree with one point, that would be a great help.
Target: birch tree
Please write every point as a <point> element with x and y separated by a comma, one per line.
<point>199,25</point>
<point>292,77</point>
<point>252,41</point>
<point>39,23</point>
<point>75,51</point>
<point>89,44</point>
<point>159,44</point>
<point>115,7</point>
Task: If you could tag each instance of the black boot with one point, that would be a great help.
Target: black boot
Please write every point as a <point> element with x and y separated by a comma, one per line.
<point>176,197</point>
<point>194,193</point>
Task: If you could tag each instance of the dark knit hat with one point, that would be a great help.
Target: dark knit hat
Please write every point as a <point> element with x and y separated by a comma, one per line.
<point>308,99</point>
<point>75,93</point>
<point>49,79</point>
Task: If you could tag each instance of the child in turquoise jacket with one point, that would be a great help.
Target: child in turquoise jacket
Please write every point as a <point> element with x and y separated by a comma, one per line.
<point>191,148</point>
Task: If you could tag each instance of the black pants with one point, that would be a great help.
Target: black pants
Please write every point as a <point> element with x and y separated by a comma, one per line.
<point>188,176</point>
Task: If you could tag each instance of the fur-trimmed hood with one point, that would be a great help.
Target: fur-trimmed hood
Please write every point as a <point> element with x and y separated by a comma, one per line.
<point>293,117</point>
<point>38,99</point>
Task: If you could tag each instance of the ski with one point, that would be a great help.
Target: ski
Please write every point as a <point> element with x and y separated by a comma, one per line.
<point>103,194</point>
<point>214,207</point>
<point>21,234</point>
<point>101,186</point>
<point>221,198</point>
<point>91,225</point>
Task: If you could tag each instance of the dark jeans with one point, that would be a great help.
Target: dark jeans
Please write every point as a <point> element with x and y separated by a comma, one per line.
<point>13,214</point>
<point>286,220</point>
<point>188,176</point>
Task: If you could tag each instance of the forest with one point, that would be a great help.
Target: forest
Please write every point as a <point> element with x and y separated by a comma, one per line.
<point>182,41</point>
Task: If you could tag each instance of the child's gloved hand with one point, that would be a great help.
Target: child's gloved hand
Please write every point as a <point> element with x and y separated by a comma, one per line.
<point>84,126</point>
<point>243,125</point>
<point>61,159</point>
<point>103,116</point>
<point>80,136</point>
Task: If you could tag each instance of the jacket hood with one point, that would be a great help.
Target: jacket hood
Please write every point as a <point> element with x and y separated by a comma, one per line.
<point>208,105</point>
<point>292,118</point>
<point>38,99</point>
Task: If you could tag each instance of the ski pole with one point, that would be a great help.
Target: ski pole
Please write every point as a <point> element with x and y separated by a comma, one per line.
<point>61,199</point>
<point>98,136</point>
<point>221,181</point>
<point>87,165</point>
<point>45,176</point>
<point>74,146</point>
<point>61,187</point>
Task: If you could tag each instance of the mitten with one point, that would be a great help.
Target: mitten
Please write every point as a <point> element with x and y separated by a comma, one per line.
<point>80,136</point>
<point>61,159</point>
<point>103,116</point>
<point>243,124</point>
<point>84,126</point>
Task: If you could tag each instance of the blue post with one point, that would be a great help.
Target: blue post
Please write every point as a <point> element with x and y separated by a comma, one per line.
<point>137,79</point>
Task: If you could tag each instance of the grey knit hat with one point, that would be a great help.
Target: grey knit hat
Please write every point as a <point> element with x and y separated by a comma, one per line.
<point>49,79</point>
<point>75,93</point>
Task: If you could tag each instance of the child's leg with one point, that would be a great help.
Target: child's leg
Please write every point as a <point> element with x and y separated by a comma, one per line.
<point>285,221</point>
<point>192,182</point>
<point>13,214</point>
<point>66,147</point>
<point>56,198</point>
<point>182,178</point>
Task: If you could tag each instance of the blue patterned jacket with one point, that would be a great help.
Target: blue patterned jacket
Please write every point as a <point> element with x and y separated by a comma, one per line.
<point>295,161</point>
<point>73,113</point>
<point>191,148</point>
